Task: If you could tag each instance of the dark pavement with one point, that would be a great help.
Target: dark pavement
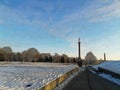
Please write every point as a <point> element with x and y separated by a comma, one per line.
<point>86,80</point>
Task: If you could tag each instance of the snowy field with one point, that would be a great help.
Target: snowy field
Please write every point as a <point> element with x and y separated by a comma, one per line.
<point>30,76</point>
<point>113,66</point>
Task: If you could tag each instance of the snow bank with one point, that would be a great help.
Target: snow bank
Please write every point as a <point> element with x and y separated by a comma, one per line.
<point>110,78</point>
<point>113,66</point>
<point>30,76</point>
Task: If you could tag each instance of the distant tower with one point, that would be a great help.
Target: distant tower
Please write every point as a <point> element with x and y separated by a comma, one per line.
<point>104,57</point>
<point>79,54</point>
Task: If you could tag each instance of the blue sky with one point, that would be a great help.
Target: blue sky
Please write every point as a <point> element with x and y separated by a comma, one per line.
<point>55,25</point>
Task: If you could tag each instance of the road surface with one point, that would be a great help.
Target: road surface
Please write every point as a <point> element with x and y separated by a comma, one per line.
<point>86,80</point>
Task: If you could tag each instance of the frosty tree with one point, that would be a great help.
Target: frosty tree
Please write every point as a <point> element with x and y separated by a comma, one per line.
<point>90,58</point>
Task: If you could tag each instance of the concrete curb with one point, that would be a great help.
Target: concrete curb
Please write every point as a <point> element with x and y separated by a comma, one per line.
<point>53,84</point>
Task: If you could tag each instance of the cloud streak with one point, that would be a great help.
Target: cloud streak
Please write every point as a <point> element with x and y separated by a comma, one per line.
<point>29,16</point>
<point>106,12</point>
<point>90,15</point>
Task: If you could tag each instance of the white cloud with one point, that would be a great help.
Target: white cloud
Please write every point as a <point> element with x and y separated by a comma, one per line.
<point>22,17</point>
<point>97,13</point>
<point>106,12</point>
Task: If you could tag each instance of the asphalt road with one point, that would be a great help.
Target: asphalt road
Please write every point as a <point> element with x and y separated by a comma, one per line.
<point>86,80</point>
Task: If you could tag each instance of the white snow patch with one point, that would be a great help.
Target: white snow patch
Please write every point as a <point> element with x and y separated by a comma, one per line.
<point>30,76</point>
<point>113,66</point>
<point>110,78</point>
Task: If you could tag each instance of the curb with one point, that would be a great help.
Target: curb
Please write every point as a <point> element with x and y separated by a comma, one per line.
<point>53,84</point>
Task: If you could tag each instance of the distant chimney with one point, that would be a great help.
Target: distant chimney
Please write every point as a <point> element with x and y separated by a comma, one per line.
<point>104,57</point>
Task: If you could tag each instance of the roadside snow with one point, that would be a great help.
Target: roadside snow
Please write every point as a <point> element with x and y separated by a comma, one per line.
<point>30,76</point>
<point>110,78</point>
<point>113,66</point>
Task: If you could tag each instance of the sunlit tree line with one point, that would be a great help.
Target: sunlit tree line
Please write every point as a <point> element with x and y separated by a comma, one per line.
<point>33,55</point>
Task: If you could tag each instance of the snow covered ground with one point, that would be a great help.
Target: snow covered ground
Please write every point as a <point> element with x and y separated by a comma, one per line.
<point>113,66</point>
<point>110,78</point>
<point>30,76</point>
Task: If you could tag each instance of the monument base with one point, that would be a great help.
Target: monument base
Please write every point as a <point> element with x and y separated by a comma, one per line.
<point>79,62</point>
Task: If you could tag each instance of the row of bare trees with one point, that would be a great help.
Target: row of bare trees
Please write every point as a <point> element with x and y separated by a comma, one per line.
<point>33,55</point>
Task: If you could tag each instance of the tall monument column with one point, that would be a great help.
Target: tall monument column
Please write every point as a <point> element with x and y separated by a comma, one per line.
<point>104,57</point>
<point>79,54</point>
